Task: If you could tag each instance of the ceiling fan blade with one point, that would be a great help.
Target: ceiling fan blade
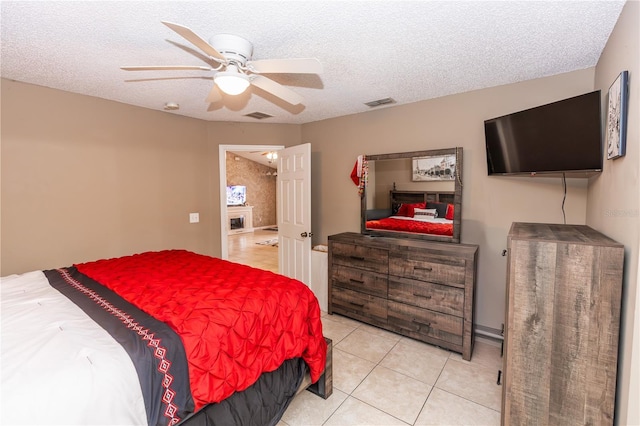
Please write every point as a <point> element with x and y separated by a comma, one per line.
<point>166,67</point>
<point>214,95</point>
<point>196,40</point>
<point>276,89</point>
<point>292,66</point>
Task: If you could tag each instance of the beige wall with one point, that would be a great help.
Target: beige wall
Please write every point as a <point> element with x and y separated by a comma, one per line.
<point>489,204</point>
<point>83,178</point>
<point>613,205</point>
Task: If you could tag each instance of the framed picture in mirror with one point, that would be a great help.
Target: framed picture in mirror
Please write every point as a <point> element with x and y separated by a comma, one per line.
<point>434,168</point>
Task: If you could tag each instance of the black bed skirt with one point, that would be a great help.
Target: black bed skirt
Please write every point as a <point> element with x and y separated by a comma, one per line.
<point>263,403</point>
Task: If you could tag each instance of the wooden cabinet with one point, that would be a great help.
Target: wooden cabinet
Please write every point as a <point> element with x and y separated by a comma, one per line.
<point>416,288</point>
<point>562,324</point>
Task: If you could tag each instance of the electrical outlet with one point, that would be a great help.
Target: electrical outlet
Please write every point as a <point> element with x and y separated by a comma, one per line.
<point>194,217</point>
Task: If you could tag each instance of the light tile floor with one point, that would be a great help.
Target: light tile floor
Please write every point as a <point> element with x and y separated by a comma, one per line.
<point>381,378</point>
<point>243,248</point>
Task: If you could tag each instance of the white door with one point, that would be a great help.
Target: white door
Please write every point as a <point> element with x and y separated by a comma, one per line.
<point>294,212</point>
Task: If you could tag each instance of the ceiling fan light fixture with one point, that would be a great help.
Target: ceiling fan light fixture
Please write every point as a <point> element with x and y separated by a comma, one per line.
<point>231,82</point>
<point>235,70</point>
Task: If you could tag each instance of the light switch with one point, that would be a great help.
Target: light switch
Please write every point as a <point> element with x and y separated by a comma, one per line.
<point>194,217</point>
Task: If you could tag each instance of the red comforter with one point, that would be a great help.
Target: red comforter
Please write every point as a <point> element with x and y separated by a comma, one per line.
<point>236,322</point>
<point>416,226</point>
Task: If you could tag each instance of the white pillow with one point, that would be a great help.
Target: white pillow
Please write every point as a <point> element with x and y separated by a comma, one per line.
<point>426,212</point>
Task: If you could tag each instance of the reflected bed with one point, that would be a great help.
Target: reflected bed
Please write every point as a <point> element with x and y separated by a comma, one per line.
<point>434,226</point>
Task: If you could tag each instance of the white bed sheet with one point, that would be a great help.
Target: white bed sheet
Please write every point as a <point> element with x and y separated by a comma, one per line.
<point>58,365</point>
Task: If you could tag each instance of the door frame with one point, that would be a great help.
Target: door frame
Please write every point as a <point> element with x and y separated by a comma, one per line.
<point>222,160</point>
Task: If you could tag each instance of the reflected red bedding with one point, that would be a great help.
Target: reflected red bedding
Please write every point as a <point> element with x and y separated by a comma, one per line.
<point>236,322</point>
<point>393,224</point>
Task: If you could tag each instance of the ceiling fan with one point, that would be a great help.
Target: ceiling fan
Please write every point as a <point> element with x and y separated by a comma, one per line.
<point>271,156</point>
<point>234,69</point>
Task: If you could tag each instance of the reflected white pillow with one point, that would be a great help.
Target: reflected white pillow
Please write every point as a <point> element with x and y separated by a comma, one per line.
<point>426,212</point>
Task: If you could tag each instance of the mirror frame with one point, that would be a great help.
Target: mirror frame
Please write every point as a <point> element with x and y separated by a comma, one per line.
<point>457,200</point>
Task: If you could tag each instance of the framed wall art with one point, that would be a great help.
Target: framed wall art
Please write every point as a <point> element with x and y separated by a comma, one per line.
<point>435,168</point>
<point>617,105</point>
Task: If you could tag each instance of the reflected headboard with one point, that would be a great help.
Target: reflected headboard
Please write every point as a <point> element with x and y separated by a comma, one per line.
<point>411,197</point>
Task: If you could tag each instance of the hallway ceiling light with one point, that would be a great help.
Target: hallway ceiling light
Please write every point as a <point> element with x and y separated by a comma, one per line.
<point>272,156</point>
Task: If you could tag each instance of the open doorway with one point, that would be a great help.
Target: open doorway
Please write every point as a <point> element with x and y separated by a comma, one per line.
<point>247,243</point>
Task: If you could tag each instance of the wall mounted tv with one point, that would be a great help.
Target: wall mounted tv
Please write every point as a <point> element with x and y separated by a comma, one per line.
<point>236,195</point>
<point>560,137</point>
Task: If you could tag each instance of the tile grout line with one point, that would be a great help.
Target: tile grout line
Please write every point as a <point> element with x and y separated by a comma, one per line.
<point>350,394</point>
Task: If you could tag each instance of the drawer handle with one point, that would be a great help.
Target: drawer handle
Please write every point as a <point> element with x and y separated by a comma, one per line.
<point>357,258</point>
<point>359,305</point>
<point>422,295</point>
<point>426,324</point>
<point>424,268</point>
<point>356,281</point>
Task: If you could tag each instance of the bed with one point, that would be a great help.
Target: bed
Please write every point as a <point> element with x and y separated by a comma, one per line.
<point>160,338</point>
<point>417,212</point>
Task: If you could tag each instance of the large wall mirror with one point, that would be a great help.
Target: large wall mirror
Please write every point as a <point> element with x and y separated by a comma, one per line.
<point>414,195</point>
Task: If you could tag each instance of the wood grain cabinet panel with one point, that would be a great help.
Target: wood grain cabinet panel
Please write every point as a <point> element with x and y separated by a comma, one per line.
<point>437,297</point>
<point>361,257</point>
<point>424,324</point>
<point>420,289</point>
<point>447,270</point>
<point>360,306</point>
<point>562,325</point>
<point>360,280</point>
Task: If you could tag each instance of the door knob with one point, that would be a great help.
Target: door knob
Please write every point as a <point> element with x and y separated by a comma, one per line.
<point>306,234</point>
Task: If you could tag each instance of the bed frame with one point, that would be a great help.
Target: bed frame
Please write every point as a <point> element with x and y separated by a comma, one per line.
<point>324,386</point>
<point>411,197</point>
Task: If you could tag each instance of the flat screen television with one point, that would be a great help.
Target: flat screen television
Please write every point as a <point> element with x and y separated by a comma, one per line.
<point>560,137</point>
<point>236,195</point>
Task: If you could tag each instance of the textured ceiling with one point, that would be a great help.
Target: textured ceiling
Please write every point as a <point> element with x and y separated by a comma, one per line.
<point>406,50</point>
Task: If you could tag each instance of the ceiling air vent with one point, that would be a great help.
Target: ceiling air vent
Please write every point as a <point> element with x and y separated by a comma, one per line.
<point>379,102</point>
<point>258,115</point>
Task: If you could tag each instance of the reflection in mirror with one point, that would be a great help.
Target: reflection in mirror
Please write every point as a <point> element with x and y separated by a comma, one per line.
<point>414,195</point>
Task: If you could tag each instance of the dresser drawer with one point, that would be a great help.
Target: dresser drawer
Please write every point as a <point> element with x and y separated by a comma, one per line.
<point>437,269</point>
<point>359,280</point>
<point>359,305</point>
<point>424,324</point>
<point>369,258</point>
<point>436,297</point>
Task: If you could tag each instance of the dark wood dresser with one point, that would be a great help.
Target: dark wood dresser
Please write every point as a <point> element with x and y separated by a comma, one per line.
<point>420,289</point>
<point>562,323</point>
